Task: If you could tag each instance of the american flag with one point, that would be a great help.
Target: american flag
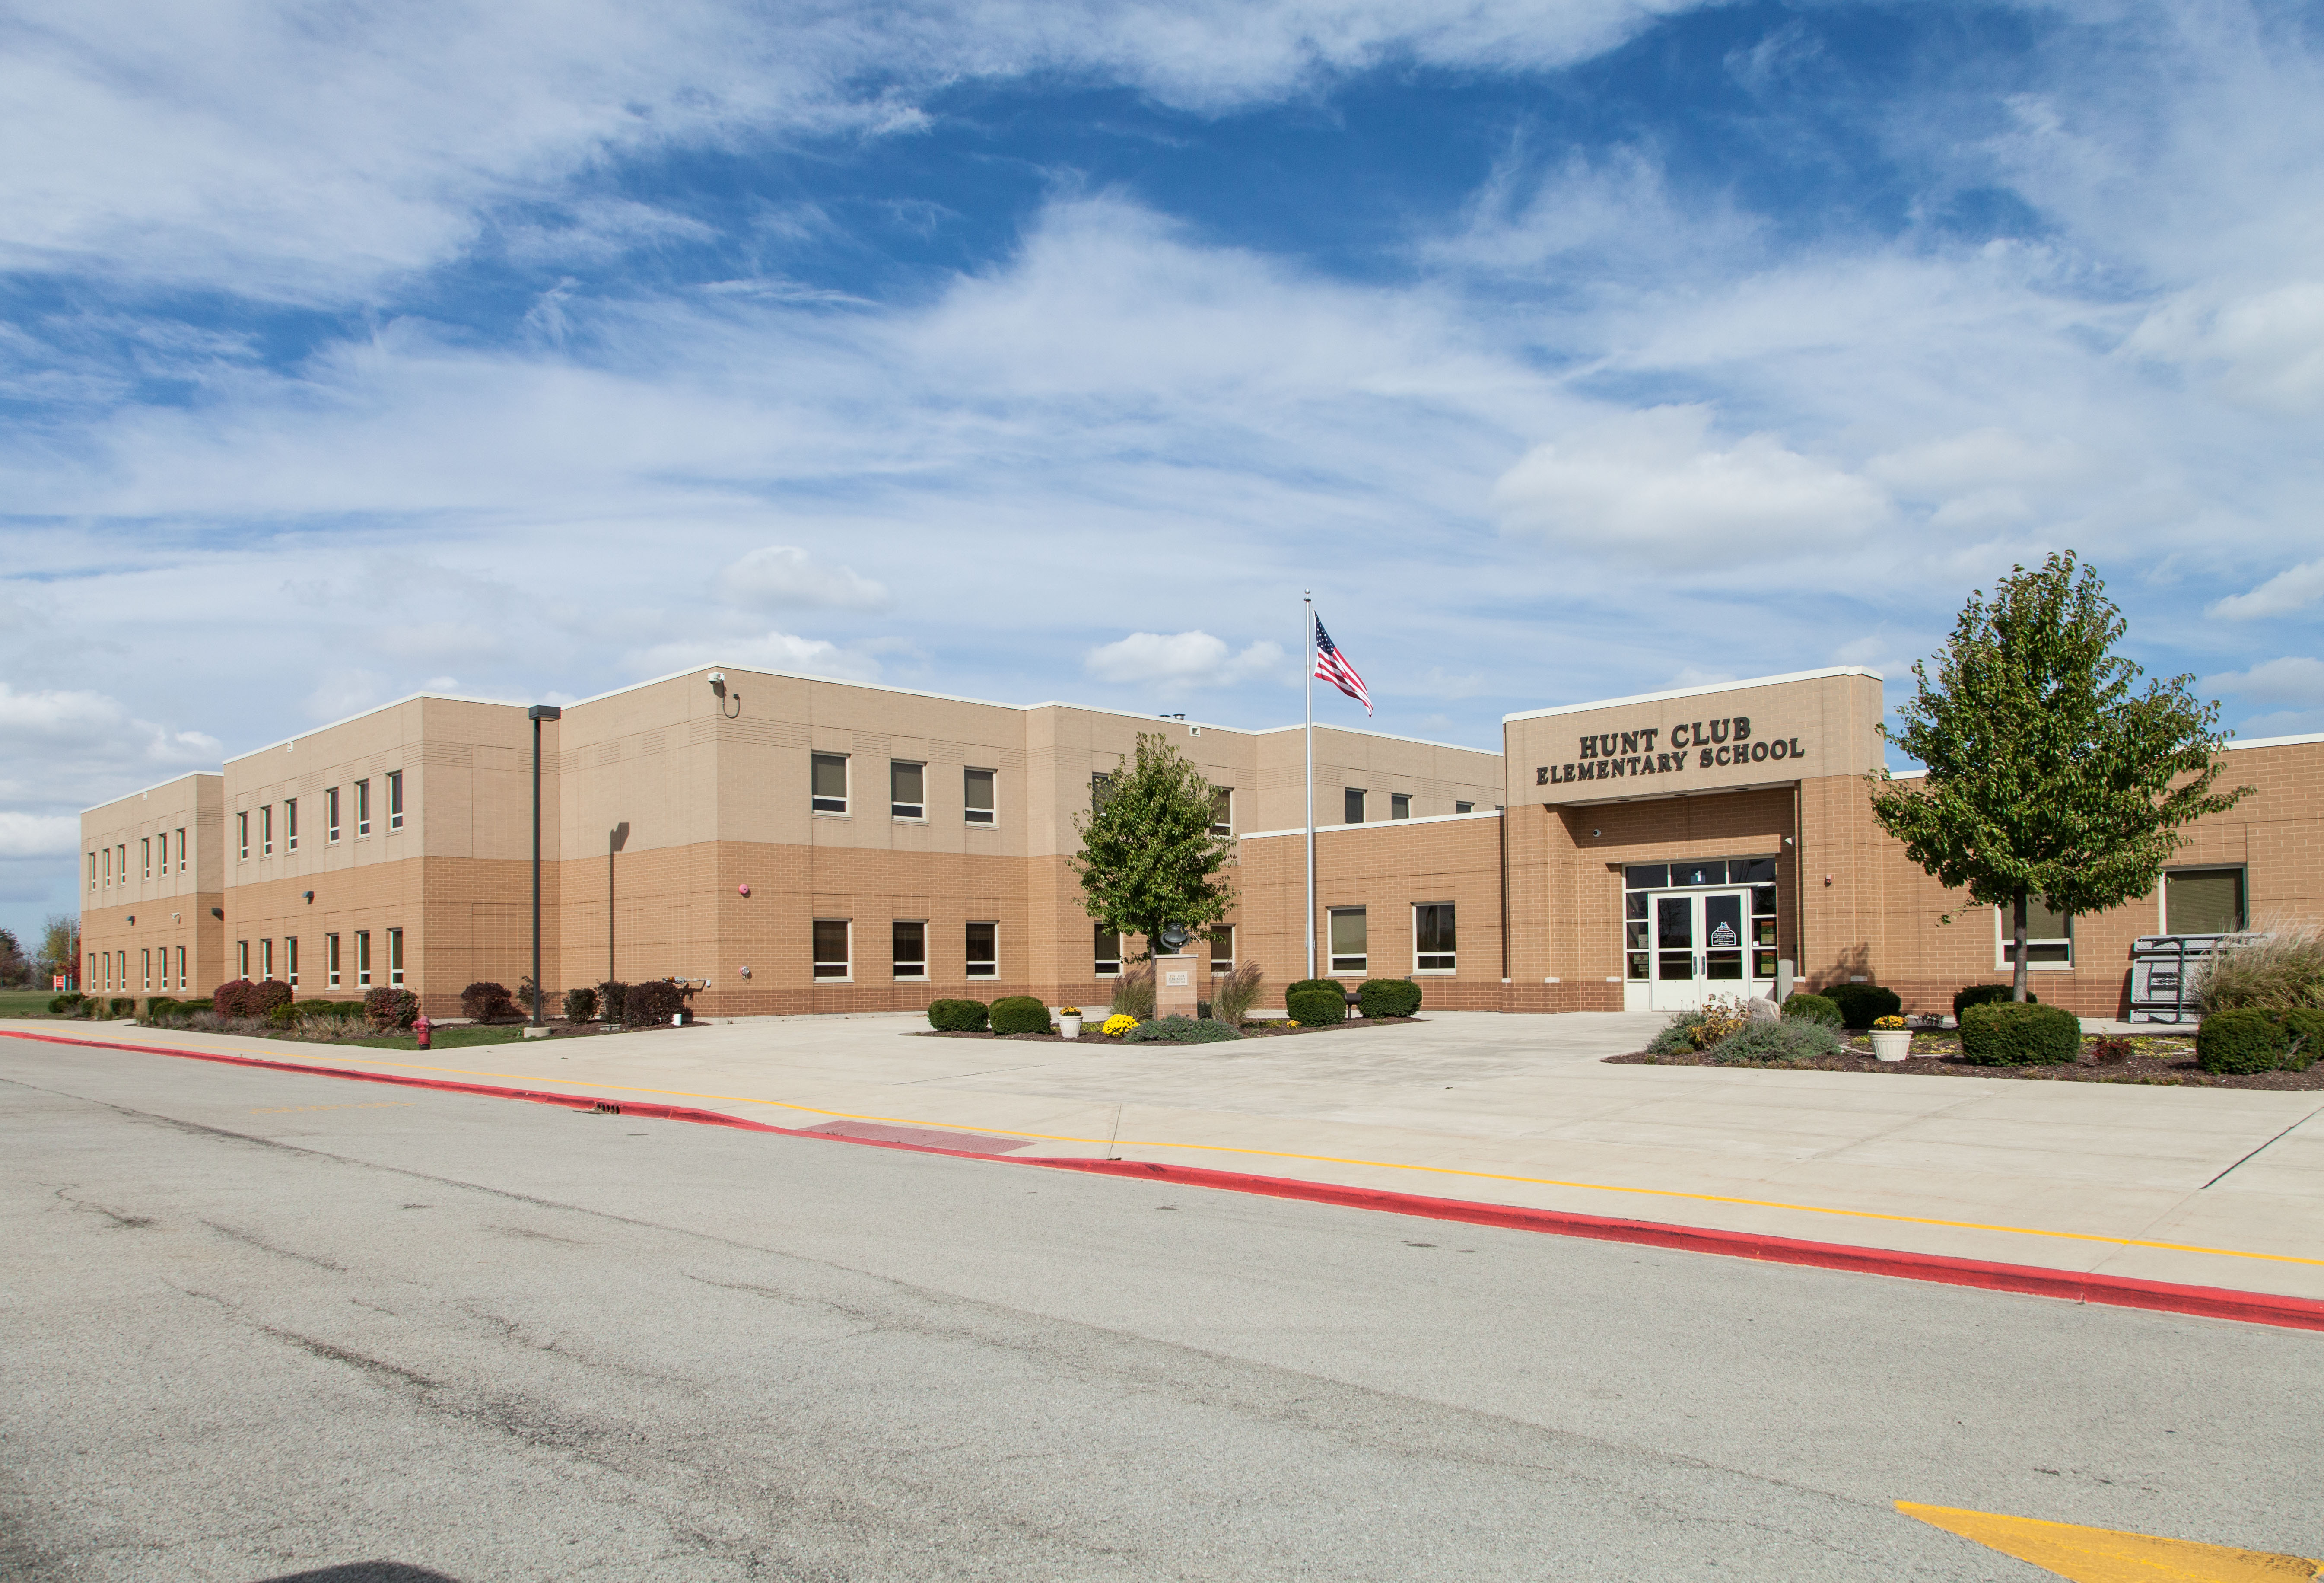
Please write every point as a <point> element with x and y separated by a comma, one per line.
<point>1333,666</point>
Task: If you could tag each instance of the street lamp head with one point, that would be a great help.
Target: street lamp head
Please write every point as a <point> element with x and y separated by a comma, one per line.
<point>544,712</point>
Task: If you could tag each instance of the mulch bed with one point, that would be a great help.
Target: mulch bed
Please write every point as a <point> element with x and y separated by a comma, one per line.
<point>2162,1061</point>
<point>1250,1031</point>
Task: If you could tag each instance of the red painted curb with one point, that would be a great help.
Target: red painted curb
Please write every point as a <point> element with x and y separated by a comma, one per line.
<point>2114,1291</point>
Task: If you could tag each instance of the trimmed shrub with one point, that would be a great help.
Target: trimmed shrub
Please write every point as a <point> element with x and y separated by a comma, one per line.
<point>283,1015</point>
<point>389,1011</point>
<point>657,1000</point>
<point>162,1006</point>
<point>487,1001</point>
<point>264,995</point>
<point>2304,1037</point>
<point>612,1000</point>
<point>1862,1004</point>
<point>1317,1008</point>
<point>2005,1033</point>
<point>1982,994</point>
<point>1333,985</point>
<point>59,1005</point>
<point>1677,1036</point>
<point>1179,1030</point>
<point>121,1006</point>
<point>1799,1039</point>
<point>1019,1014</point>
<point>227,997</point>
<point>958,1016</point>
<point>1813,1008</point>
<point>1387,997</point>
<point>581,1006</point>
<point>2239,1042</point>
<point>192,1006</point>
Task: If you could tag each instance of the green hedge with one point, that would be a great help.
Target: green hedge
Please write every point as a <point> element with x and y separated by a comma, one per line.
<point>1317,1008</point>
<point>1387,997</point>
<point>2240,1042</point>
<point>1862,1004</point>
<point>1980,994</point>
<point>1813,1008</point>
<point>958,1016</point>
<point>2005,1034</point>
<point>1019,1014</point>
<point>2304,1037</point>
<point>1179,1030</point>
<point>1333,985</point>
<point>581,1006</point>
<point>59,1005</point>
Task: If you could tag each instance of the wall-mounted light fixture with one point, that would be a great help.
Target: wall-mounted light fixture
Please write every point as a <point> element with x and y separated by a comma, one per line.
<point>217,912</point>
<point>719,690</point>
<point>307,896</point>
<point>133,918</point>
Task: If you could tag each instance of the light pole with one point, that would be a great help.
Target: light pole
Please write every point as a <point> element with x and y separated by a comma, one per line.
<point>537,714</point>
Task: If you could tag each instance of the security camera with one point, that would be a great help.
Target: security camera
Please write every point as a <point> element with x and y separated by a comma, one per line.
<point>718,679</point>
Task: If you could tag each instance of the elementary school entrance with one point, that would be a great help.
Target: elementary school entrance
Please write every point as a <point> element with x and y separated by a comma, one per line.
<point>1695,929</point>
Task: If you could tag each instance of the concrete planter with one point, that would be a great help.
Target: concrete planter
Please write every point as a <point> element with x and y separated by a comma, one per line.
<point>1071,1027</point>
<point>1891,1043</point>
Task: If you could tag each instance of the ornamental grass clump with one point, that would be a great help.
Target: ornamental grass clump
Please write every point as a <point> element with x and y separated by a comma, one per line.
<point>1770,1043</point>
<point>2280,970</point>
<point>1233,996</point>
<point>1133,992</point>
<point>1179,1030</point>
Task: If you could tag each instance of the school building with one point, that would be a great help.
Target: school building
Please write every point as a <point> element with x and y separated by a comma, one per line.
<point>796,844</point>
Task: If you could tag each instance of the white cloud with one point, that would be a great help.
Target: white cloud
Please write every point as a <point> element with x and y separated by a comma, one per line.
<point>770,651</point>
<point>1180,660</point>
<point>2292,679</point>
<point>2294,589</point>
<point>781,577</point>
<point>2265,350</point>
<point>36,834</point>
<point>1652,482</point>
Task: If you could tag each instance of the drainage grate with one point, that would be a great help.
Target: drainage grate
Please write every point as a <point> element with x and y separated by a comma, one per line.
<point>601,1108</point>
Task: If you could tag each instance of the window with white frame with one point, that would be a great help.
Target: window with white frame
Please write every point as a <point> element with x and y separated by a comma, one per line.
<point>1400,805</point>
<point>363,958</point>
<point>242,958</point>
<point>1353,805</point>
<point>265,959</point>
<point>1465,808</point>
<point>290,960</point>
<point>827,792</point>
<point>182,968</point>
<point>977,806</point>
<point>181,858</point>
<point>266,831</point>
<point>1349,950</point>
<point>330,816</point>
<point>984,951</point>
<point>2049,936</point>
<point>830,948</point>
<point>1099,785</point>
<point>145,857</point>
<point>291,824</point>
<point>1108,952</point>
<point>362,809</point>
<point>1431,938</point>
<point>331,960</point>
<point>92,871</point>
<point>395,799</point>
<point>1223,949</point>
<point>910,947</point>
<point>907,790</point>
<point>395,958</point>
<point>108,868</point>
<point>242,836</point>
<point>145,966</point>
<point>1222,810</point>
<point>2204,900</point>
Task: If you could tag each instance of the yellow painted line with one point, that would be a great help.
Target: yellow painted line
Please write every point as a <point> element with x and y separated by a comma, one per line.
<point>274,1052</point>
<point>2106,1555</point>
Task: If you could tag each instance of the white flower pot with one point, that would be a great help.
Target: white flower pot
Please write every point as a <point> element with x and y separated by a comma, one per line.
<point>1891,1043</point>
<point>1071,1027</point>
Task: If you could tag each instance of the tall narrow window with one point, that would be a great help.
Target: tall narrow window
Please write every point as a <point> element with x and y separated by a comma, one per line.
<point>1222,810</point>
<point>182,968</point>
<point>242,958</point>
<point>242,836</point>
<point>976,797</point>
<point>266,831</point>
<point>1400,805</point>
<point>827,793</point>
<point>145,854</point>
<point>911,950</point>
<point>92,871</point>
<point>395,799</point>
<point>363,958</point>
<point>984,951</point>
<point>108,868</point>
<point>1431,938</point>
<point>265,959</point>
<point>907,790</point>
<point>181,857</point>
<point>1355,805</point>
<point>1099,785</point>
<point>291,824</point>
<point>362,809</point>
<point>89,985</point>
<point>331,961</point>
<point>1223,949</point>
<point>145,966</point>
<point>1349,950</point>
<point>1108,952</point>
<point>2203,901</point>
<point>290,961</point>
<point>124,880</point>
<point>331,815</point>
<point>831,960</point>
<point>395,958</point>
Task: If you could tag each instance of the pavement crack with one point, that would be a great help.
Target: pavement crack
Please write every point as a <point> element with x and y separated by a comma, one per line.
<point>252,1239</point>
<point>352,1359</point>
<point>90,1206</point>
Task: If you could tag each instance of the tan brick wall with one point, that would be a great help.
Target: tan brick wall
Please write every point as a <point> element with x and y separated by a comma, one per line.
<point>172,907</point>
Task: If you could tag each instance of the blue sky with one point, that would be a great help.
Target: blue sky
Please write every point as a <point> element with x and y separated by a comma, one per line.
<point>1049,350</point>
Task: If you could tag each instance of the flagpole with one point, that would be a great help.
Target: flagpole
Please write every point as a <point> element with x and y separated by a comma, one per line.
<point>1307,602</point>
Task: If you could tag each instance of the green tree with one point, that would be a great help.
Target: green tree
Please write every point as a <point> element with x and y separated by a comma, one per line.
<point>1148,859</point>
<point>13,968</point>
<point>60,946</point>
<point>2048,775</point>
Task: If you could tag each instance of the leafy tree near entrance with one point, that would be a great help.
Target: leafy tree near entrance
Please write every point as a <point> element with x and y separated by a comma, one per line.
<point>2048,775</point>
<point>1148,857</point>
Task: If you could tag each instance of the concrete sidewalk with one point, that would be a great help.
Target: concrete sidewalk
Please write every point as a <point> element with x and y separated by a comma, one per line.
<point>2204,1187</point>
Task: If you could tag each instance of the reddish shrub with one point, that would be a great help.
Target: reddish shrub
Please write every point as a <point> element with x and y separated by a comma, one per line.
<point>391,1010</point>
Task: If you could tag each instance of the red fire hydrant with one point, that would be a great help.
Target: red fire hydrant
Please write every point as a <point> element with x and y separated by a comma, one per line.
<point>421,1028</point>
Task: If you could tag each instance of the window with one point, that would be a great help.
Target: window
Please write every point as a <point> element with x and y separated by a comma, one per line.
<point>89,983</point>
<point>395,799</point>
<point>1223,949</point>
<point>1108,952</point>
<point>1400,805</point>
<point>1222,810</point>
<point>907,790</point>
<point>145,854</point>
<point>1762,931</point>
<point>290,961</point>
<point>92,871</point>
<point>2204,900</point>
<point>242,836</point>
<point>181,966</point>
<point>291,824</point>
<point>830,945</point>
<point>984,951</point>
<point>1465,808</point>
<point>124,880</point>
<point>108,868</point>
<point>1099,783</point>
<point>1349,954</point>
<point>828,794</point>
<point>977,806</point>
<point>362,809</point>
<point>331,960</point>
<point>363,958</point>
<point>242,958</point>
<point>181,858</point>
<point>145,966</point>
<point>911,950</point>
<point>331,817</point>
<point>1355,806</point>
<point>395,958</point>
<point>1431,938</point>
<point>2049,936</point>
<point>122,959</point>
<point>266,831</point>
<point>267,958</point>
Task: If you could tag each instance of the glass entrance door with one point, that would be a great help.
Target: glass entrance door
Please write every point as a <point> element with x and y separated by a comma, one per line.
<point>1702,945</point>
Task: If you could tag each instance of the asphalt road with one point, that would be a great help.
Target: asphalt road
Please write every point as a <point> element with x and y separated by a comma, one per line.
<point>254,1324</point>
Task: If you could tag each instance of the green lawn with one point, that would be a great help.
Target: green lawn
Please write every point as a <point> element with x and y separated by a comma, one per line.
<point>443,1039</point>
<point>25,1003</point>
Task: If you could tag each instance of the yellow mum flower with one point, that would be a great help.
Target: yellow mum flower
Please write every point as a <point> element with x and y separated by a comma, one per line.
<point>1118,1024</point>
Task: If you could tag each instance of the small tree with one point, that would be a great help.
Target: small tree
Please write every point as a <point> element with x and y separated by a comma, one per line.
<point>13,968</point>
<point>1148,859</point>
<point>2047,776</point>
<point>60,946</point>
